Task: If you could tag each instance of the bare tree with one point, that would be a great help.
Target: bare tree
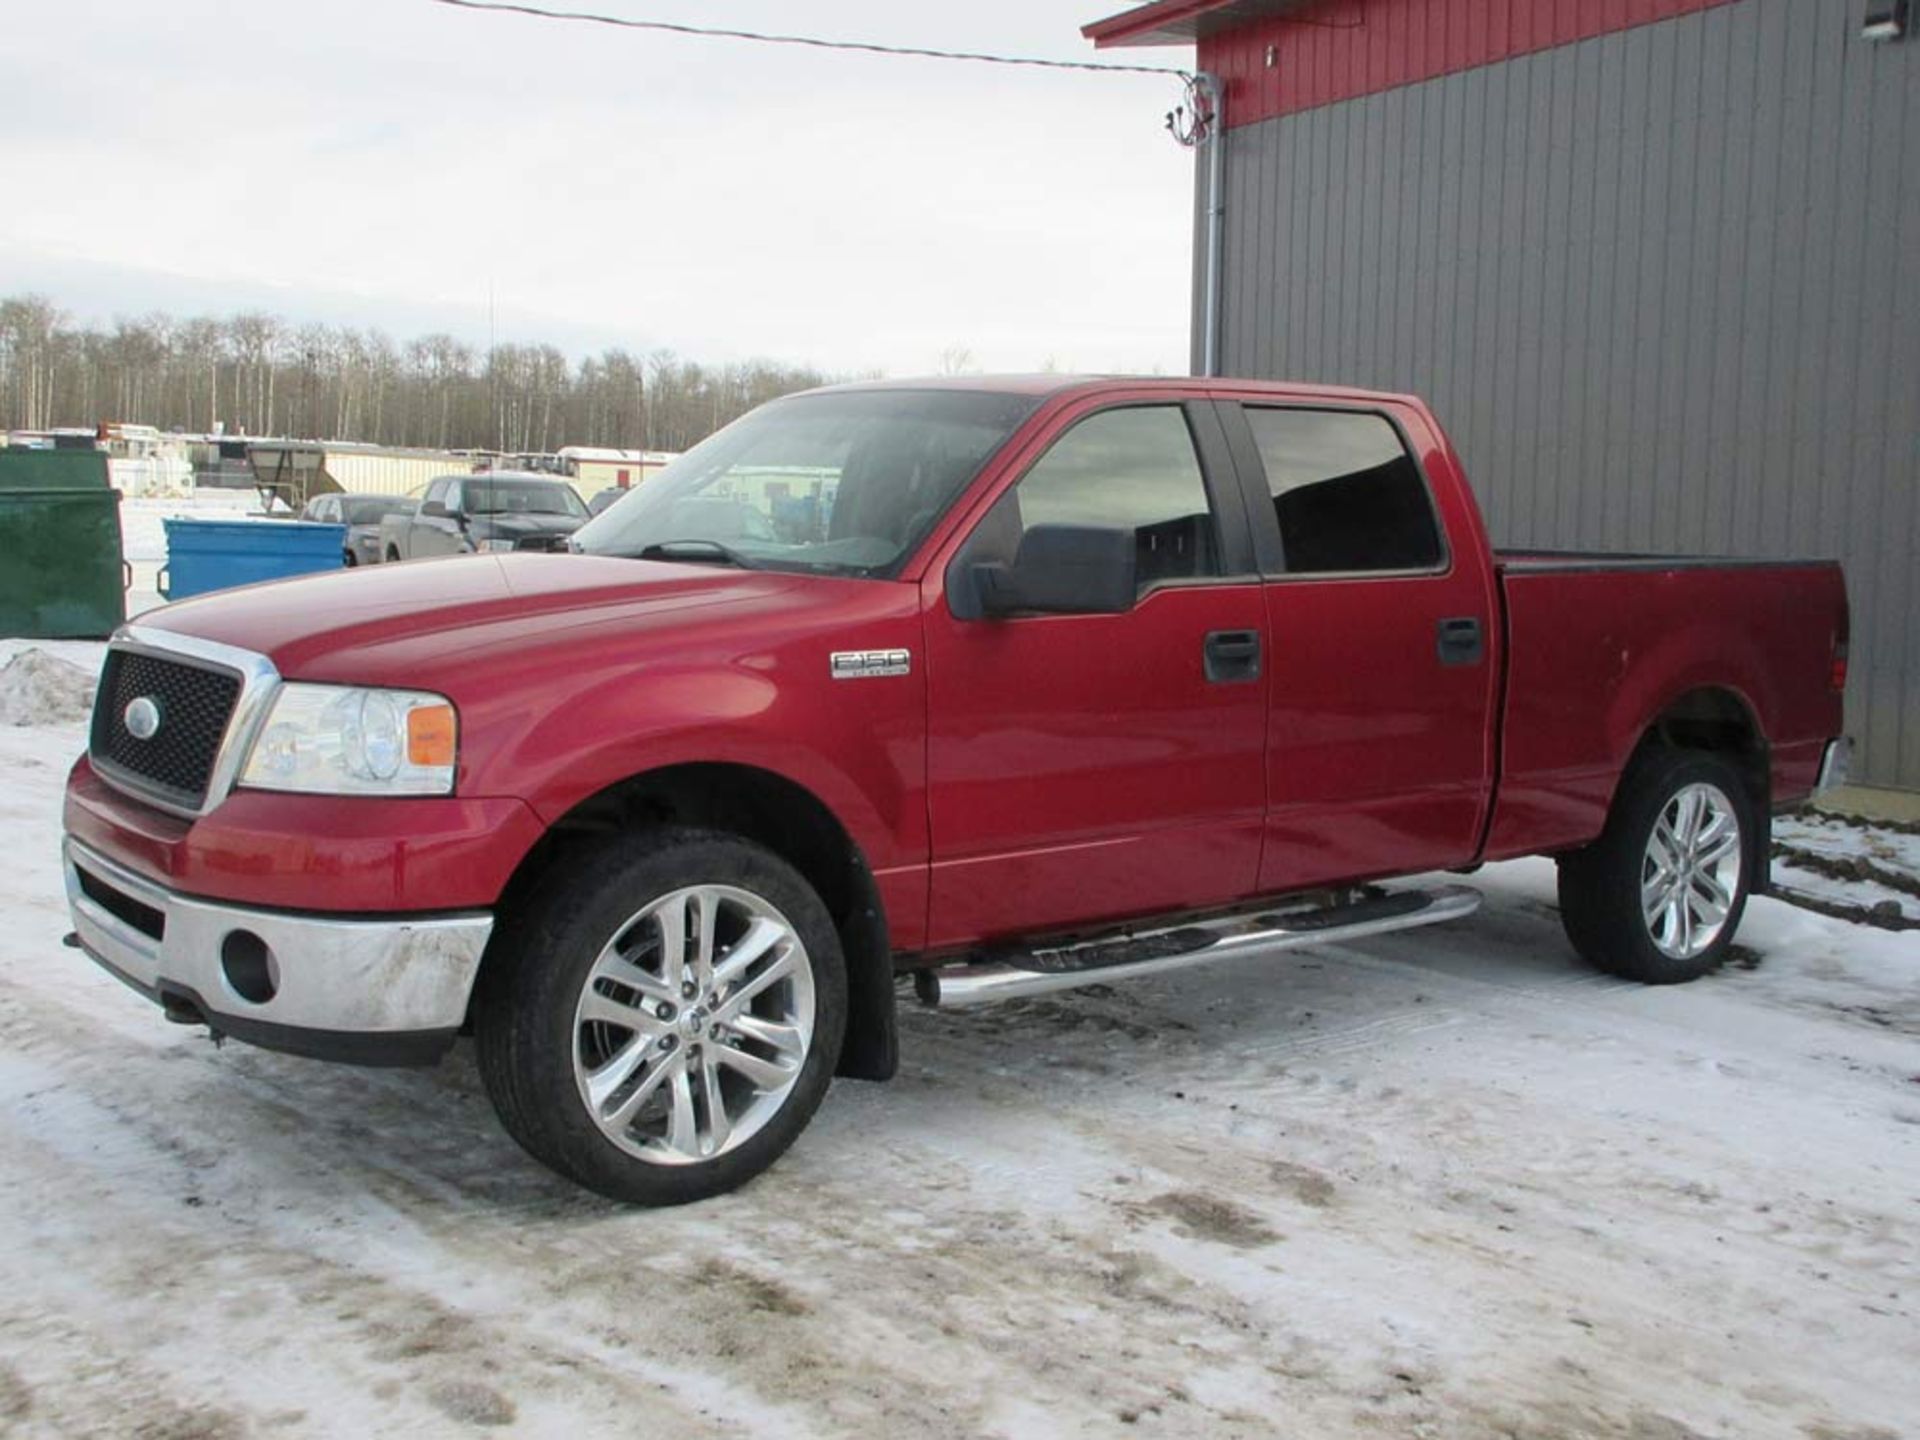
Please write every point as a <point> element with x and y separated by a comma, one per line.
<point>29,326</point>
<point>254,341</point>
<point>255,374</point>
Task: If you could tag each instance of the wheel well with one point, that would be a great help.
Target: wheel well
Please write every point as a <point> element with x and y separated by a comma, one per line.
<point>1712,719</point>
<point>792,822</point>
<point>1720,721</point>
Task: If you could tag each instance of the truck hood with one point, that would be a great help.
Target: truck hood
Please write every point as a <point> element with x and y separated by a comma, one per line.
<point>364,624</point>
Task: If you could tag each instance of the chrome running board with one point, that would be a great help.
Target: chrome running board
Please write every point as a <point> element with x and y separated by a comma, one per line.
<point>1012,974</point>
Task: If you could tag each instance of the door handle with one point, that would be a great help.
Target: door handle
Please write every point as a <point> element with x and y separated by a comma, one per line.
<point>1232,655</point>
<point>1462,641</point>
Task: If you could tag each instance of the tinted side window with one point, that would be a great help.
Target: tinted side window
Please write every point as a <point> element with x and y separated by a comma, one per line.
<point>1132,469</point>
<point>437,491</point>
<point>1347,494</point>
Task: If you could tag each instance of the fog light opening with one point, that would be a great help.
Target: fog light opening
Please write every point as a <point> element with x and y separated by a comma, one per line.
<point>251,971</point>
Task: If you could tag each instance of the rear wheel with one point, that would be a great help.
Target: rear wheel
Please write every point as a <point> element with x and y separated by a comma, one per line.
<point>662,1018</point>
<point>1659,895</point>
<point>393,552</point>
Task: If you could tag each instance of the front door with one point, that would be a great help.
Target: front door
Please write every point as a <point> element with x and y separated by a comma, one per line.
<point>1084,768</point>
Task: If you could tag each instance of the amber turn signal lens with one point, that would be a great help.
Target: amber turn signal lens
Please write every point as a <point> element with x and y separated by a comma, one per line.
<point>430,735</point>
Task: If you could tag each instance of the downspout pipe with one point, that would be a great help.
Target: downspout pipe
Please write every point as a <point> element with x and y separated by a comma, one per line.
<point>1216,102</point>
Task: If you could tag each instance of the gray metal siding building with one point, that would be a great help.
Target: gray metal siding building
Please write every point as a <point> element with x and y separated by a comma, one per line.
<point>1662,283</point>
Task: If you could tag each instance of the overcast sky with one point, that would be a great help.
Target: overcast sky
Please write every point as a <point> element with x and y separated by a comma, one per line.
<point>384,162</point>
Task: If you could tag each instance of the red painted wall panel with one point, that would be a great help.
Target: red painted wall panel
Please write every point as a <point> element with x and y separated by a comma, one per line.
<point>1340,49</point>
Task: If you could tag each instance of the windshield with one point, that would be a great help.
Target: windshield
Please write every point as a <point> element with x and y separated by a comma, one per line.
<point>370,512</point>
<point>481,496</point>
<point>840,483</point>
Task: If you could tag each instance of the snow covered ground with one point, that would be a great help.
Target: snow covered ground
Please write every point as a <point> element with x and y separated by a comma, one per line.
<point>1872,868</point>
<point>1447,1184</point>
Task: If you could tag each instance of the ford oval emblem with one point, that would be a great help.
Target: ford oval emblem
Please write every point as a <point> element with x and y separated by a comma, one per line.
<point>142,718</point>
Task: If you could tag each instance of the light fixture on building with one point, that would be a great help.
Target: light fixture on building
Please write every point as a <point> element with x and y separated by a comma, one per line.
<point>1886,20</point>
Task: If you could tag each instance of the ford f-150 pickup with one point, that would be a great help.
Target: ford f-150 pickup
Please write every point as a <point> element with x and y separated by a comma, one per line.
<point>1007,685</point>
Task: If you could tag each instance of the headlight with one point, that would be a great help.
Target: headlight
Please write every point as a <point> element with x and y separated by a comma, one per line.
<point>491,547</point>
<point>339,740</point>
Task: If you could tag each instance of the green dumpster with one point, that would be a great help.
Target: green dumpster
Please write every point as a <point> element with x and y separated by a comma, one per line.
<point>61,574</point>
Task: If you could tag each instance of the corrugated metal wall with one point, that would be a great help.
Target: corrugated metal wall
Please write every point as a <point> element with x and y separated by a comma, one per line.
<point>1662,285</point>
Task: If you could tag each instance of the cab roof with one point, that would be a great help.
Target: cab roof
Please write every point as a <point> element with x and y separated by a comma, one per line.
<point>1049,385</point>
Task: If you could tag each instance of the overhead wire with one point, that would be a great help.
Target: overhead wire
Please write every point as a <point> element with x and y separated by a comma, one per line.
<point>814,42</point>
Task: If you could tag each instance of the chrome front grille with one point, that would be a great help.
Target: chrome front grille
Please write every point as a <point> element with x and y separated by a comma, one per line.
<point>194,704</point>
<point>173,716</point>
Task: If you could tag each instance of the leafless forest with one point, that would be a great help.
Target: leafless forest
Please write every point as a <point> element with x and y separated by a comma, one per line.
<point>260,375</point>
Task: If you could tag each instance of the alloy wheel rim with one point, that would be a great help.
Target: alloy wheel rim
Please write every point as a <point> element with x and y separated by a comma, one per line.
<point>694,1025</point>
<point>1690,876</point>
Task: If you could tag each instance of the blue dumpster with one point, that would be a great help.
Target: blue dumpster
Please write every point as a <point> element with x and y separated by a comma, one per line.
<point>205,555</point>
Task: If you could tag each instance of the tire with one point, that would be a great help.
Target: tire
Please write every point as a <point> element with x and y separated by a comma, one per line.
<point>393,553</point>
<point>722,1086</point>
<point>351,560</point>
<point>1664,913</point>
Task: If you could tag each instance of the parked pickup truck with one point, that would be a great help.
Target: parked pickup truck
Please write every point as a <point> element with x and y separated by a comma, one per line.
<point>1010,685</point>
<point>484,514</point>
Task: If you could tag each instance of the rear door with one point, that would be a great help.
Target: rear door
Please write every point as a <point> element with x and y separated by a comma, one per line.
<point>1084,768</point>
<point>1382,618</point>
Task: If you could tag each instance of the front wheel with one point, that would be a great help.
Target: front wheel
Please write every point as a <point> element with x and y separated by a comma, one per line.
<point>1658,897</point>
<point>661,1019</point>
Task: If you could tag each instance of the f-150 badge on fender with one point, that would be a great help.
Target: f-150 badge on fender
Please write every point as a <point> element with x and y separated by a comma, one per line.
<point>870,664</point>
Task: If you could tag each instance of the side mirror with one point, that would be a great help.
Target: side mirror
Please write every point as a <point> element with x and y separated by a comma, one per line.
<point>1059,570</point>
<point>433,509</point>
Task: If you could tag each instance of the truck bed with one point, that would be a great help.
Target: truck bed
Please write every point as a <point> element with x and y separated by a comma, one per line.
<point>1599,646</point>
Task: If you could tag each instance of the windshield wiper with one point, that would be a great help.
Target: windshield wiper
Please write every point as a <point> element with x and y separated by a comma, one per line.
<point>677,550</point>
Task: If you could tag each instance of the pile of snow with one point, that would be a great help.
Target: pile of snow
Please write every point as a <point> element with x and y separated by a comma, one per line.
<point>1854,869</point>
<point>41,689</point>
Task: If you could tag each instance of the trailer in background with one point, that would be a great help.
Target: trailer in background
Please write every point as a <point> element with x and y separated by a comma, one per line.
<point>594,468</point>
<point>295,471</point>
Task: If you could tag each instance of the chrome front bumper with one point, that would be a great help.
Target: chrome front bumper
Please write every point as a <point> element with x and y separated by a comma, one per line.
<point>380,992</point>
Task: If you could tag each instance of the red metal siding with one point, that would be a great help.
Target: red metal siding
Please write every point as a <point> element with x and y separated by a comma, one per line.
<point>1339,49</point>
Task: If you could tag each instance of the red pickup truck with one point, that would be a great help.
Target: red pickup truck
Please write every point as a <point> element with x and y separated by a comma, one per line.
<point>1010,685</point>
